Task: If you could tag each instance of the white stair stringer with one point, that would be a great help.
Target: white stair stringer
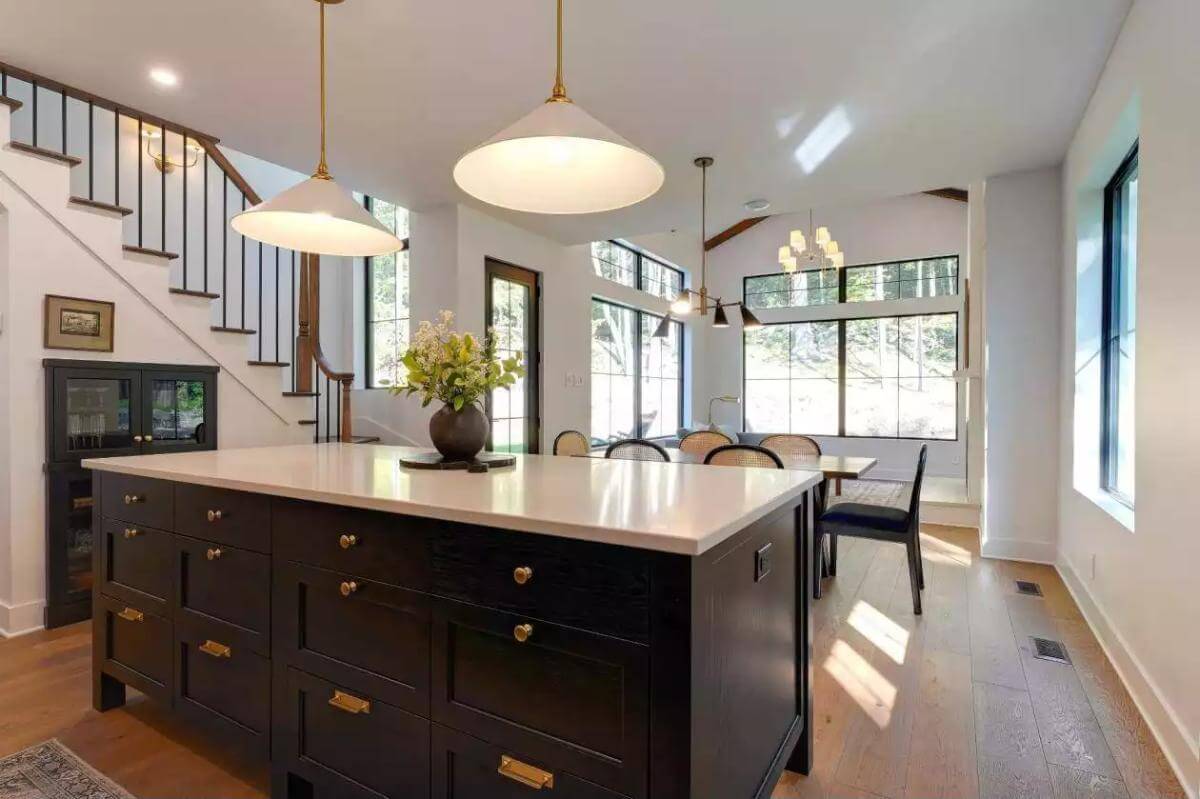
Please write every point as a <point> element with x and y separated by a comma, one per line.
<point>45,184</point>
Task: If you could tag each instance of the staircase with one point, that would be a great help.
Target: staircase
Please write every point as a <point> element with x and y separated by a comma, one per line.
<point>149,201</point>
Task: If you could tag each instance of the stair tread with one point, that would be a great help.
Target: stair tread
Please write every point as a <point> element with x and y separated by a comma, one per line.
<point>103,206</point>
<point>244,330</point>
<point>308,421</point>
<point>352,440</point>
<point>268,363</point>
<point>170,256</point>
<point>53,155</point>
<point>11,102</point>
<point>300,394</point>
<point>194,293</point>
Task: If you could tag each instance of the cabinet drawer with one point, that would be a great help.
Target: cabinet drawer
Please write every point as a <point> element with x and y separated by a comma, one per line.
<point>135,647</point>
<point>139,500</point>
<point>563,696</point>
<point>135,565</point>
<point>465,767</point>
<point>223,686</point>
<point>376,639</point>
<point>576,583</point>
<point>350,744</point>
<point>215,581</point>
<point>236,518</point>
<point>378,546</point>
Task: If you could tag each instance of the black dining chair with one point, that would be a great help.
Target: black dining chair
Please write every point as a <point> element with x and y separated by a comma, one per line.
<point>882,523</point>
<point>743,455</point>
<point>637,449</point>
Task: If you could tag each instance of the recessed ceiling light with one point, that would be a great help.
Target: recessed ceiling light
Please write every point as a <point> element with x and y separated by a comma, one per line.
<point>757,205</point>
<point>164,77</point>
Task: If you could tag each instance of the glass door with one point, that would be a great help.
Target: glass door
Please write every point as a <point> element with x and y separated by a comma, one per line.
<point>99,413</point>
<point>69,559</point>
<point>179,407</point>
<point>512,307</point>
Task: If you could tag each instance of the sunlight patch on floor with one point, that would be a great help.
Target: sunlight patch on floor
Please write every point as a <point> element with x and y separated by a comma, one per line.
<point>888,637</point>
<point>861,682</point>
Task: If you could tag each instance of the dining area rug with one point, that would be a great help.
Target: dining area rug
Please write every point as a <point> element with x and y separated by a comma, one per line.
<point>52,771</point>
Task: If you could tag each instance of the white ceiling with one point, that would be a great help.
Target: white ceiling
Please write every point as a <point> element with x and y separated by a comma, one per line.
<point>801,102</point>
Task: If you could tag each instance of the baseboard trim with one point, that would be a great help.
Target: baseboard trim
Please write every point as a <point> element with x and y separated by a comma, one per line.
<point>1019,549</point>
<point>21,618</point>
<point>1165,724</point>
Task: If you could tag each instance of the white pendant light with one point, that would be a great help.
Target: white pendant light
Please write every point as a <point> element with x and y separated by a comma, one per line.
<point>317,216</point>
<point>558,159</point>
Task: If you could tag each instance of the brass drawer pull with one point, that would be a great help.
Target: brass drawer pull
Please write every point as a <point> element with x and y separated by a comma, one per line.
<point>349,587</point>
<point>528,775</point>
<point>215,649</point>
<point>349,704</point>
<point>132,532</point>
<point>348,541</point>
<point>137,439</point>
<point>522,632</point>
<point>129,614</point>
<point>215,515</point>
<point>147,439</point>
<point>522,575</point>
<point>213,554</point>
<point>133,499</point>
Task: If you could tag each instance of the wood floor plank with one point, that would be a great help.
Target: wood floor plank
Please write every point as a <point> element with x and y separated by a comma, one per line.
<point>1011,764</point>
<point>1073,784</point>
<point>994,655</point>
<point>942,759</point>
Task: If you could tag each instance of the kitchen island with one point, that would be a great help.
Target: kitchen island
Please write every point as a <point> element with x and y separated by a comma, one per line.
<point>595,628</point>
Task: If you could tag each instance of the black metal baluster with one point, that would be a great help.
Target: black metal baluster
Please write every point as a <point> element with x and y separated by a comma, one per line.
<point>185,215</point>
<point>243,271</point>
<point>338,407</point>
<point>117,156</point>
<point>35,105</point>
<point>64,123</point>
<point>224,248</point>
<point>261,330</point>
<point>317,407</point>
<point>91,151</point>
<point>292,326</point>
<point>277,359</point>
<point>139,179</point>
<point>162,205</point>
<point>206,220</point>
<point>3,83</point>
<point>328,392</point>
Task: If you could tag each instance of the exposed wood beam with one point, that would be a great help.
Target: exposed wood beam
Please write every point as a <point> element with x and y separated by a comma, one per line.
<point>731,231</point>
<point>949,194</point>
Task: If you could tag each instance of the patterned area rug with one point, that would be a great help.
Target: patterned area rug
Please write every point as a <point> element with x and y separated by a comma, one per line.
<point>873,492</point>
<point>52,771</point>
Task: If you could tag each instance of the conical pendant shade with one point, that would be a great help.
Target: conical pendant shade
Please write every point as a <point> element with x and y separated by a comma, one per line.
<point>558,159</point>
<point>317,216</point>
<point>749,320</point>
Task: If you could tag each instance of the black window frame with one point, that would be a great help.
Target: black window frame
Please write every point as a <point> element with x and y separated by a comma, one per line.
<point>639,272</point>
<point>639,324</point>
<point>842,283</point>
<point>1115,265</point>
<point>368,202</point>
<point>841,323</point>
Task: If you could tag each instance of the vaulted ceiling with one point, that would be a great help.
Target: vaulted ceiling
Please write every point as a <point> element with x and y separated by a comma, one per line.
<point>802,102</point>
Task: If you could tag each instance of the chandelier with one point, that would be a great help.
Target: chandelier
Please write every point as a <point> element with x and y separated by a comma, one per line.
<point>682,305</point>
<point>818,250</point>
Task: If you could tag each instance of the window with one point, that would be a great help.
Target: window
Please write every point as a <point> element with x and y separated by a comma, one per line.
<point>637,380</point>
<point>621,264</point>
<point>894,380</point>
<point>1119,321</point>
<point>896,280</point>
<point>387,303</point>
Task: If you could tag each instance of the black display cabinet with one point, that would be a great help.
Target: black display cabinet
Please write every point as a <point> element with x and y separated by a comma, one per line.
<point>97,409</point>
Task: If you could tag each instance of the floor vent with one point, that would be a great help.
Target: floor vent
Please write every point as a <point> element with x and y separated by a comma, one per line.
<point>1028,588</point>
<point>1045,649</point>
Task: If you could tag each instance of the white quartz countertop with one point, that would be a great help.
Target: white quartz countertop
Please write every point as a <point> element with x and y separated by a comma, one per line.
<point>667,507</point>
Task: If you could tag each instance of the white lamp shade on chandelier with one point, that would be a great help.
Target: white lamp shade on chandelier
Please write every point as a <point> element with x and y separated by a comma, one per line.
<point>317,216</point>
<point>558,159</point>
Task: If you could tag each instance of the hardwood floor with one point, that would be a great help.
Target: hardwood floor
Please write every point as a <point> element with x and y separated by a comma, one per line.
<point>948,704</point>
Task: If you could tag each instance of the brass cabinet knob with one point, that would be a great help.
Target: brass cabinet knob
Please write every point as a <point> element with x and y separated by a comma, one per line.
<point>137,439</point>
<point>132,532</point>
<point>349,587</point>
<point>133,499</point>
<point>213,554</point>
<point>522,632</point>
<point>214,516</point>
<point>348,541</point>
<point>522,575</point>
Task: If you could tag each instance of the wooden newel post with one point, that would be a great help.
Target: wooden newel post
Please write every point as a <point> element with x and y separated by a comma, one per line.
<point>347,382</point>
<point>306,329</point>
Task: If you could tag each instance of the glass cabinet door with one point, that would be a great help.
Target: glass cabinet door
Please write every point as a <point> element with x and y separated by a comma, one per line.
<point>100,413</point>
<point>179,407</point>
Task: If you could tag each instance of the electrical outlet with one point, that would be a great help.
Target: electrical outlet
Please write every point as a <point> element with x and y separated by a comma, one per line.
<point>762,562</point>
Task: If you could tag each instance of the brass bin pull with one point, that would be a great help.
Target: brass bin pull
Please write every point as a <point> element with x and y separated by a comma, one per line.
<point>348,541</point>
<point>215,649</point>
<point>522,574</point>
<point>132,532</point>
<point>524,773</point>
<point>349,704</point>
<point>213,554</point>
<point>133,499</point>
<point>522,632</point>
<point>129,614</point>
<point>214,515</point>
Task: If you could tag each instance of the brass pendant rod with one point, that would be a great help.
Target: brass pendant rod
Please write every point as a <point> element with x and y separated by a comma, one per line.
<point>322,167</point>
<point>559,93</point>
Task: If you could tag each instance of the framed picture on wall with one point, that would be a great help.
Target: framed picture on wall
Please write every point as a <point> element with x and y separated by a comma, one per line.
<point>77,324</point>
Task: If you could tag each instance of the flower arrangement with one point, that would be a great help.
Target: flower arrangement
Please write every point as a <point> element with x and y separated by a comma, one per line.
<point>455,368</point>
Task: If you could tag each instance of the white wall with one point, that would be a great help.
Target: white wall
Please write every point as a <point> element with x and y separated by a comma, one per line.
<point>1138,586</point>
<point>914,226</point>
<point>1021,297</point>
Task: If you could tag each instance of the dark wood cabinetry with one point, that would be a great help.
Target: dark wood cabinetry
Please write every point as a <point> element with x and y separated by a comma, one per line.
<point>383,656</point>
<point>99,409</point>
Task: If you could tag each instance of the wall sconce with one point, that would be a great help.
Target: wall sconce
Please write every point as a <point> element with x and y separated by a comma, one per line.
<point>162,162</point>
